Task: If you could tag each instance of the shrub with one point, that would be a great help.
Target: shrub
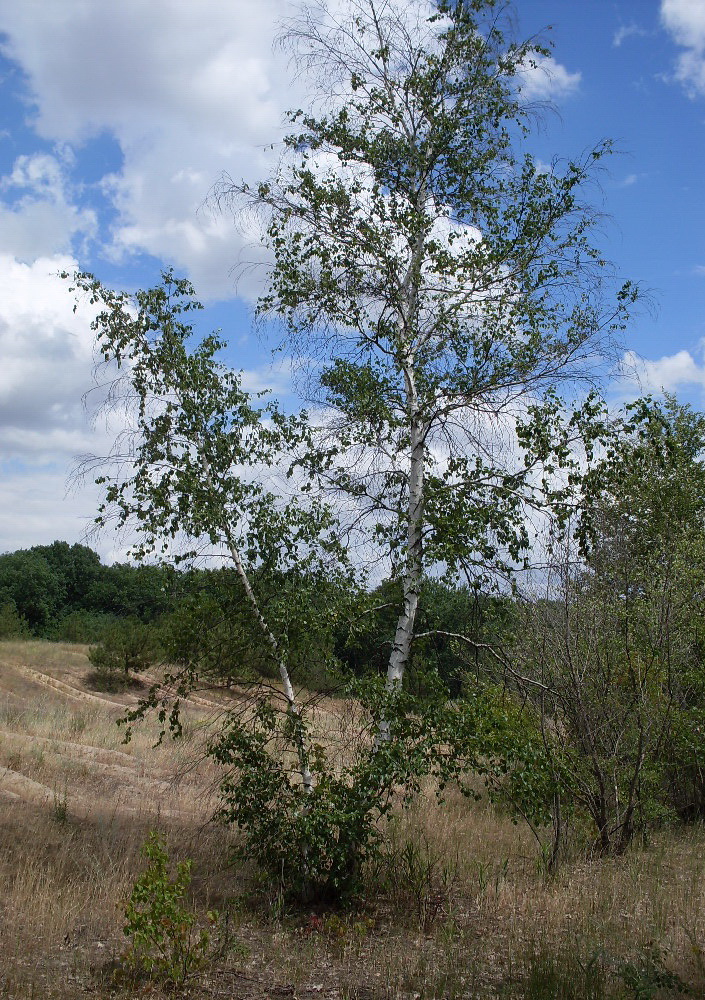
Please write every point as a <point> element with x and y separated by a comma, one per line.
<point>12,624</point>
<point>166,941</point>
<point>128,646</point>
<point>83,626</point>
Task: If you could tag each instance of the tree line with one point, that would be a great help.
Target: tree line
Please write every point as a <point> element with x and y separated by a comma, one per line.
<point>64,592</point>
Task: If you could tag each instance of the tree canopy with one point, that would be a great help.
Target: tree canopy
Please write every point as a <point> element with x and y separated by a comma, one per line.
<point>442,280</point>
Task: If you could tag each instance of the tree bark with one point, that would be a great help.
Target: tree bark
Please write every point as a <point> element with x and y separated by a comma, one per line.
<point>404,633</point>
<point>272,641</point>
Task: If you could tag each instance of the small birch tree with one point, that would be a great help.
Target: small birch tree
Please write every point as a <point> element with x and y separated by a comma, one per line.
<point>441,280</point>
<point>199,471</point>
<point>190,471</point>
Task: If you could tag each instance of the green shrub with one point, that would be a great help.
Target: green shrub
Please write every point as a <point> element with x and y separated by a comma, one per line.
<point>315,846</point>
<point>128,647</point>
<point>12,624</point>
<point>166,941</point>
<point>83,626</point>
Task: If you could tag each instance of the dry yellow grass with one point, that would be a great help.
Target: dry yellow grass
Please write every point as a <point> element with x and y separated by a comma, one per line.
<point>461,904</point>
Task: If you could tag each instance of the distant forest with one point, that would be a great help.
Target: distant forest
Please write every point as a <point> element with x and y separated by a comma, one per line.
<point>63,592</point>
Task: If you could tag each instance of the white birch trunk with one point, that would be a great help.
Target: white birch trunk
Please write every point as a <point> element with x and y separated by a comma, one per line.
<point>404,634</point>
<point>287,686</point>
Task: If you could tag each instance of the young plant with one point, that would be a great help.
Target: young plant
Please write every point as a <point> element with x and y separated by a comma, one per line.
<point>166,940</point>
<point>127,647</point>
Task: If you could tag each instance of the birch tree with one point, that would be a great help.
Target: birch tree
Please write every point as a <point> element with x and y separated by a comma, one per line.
<point>199,471</point>
<point>442,281</point>
<point>198,467</point>
<point>436,288</point>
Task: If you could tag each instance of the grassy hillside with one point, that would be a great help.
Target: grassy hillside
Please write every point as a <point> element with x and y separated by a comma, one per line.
<point>460,908</point>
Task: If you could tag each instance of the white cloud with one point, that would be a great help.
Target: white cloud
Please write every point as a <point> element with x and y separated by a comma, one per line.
<point>630,180</point>
<point>47,353</point>
<point>35,509</point>
<point>685,20</point>
<point>188,90</point>
<point>669,374</point>
<point>41,219</point>
<point>628,31</point>
<point>47,364</point>
<point>547,79</point>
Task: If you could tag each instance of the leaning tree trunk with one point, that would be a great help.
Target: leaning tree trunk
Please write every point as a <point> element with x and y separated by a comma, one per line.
<point>273,643</point>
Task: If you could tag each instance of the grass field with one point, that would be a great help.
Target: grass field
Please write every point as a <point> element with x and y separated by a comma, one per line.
<point>460,908</point>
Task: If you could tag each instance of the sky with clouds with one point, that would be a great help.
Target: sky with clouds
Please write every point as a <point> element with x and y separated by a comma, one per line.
<point>116,119</point>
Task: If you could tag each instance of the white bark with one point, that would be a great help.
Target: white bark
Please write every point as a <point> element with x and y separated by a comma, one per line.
<point>411,584</point>
<point>404,634</point>
<point>272,641</point>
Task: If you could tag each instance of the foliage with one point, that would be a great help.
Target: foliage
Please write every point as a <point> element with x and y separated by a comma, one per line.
<point>82,626</point>
<point>77,566</point>
<point>29,581</point>
<point>648,976</point>
<point>12,624</point>
<point>127,647</point>
<point>213,635</point>
<point>446,614</point>
<point>166,940</point>
<point>610,658</point>
<point>63,591</point>
<point>442,284</point>
<point>437,276</point>
<point>490,733</point>
<point>314,844</point>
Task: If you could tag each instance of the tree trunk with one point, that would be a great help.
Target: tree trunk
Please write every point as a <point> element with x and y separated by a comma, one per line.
<point>404,634</point>
<point>288,688</point>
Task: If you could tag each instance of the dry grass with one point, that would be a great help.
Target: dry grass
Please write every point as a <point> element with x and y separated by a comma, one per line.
<point>460,908</point>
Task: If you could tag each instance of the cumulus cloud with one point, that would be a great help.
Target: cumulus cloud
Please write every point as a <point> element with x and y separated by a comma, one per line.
<point>38,214</point>
<point>47,353</point>
<point>546,79</point>
<point>188,91</point>
<point>667,374</point>
<point>47,361</point>
<point>685,21</point>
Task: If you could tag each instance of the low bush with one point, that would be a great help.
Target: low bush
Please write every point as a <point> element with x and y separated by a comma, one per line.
<point>127,647</point>
<point>167,943</point>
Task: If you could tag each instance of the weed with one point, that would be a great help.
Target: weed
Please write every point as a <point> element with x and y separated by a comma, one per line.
<point>648,975</point>
<point>61,808</point>
<point>558,974</point>
<point>166,942</point>
<point>425,882</point>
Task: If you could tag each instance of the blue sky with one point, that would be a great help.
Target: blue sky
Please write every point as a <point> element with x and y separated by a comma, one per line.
<point>117,118</point>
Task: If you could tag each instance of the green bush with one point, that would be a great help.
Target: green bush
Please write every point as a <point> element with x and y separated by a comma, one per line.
<point>12,624</point>
<point>128,647</point>
<point>83,626</point>
<point>166,941</point>
<point>315,846</point>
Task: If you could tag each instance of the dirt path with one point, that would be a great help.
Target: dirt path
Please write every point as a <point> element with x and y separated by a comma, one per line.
<point>63,688</point>
<point>81,751</point>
